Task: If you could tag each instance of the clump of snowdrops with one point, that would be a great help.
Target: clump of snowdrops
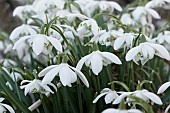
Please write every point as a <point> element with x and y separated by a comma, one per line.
<point>86,56</point>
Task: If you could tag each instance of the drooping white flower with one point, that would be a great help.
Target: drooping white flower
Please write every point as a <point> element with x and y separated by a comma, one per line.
<point>22,31</point>
<point>66,73</point>
<point>127,19</point>
<point>23,11</point>
<point>39,42</point>
<point>141,12</point>
<point>5,107</point>
<point>143,94</point>
<point>146,51</point>
<point>43,5</point>
<point>156,3</point>
<point>97,59</point>
<point>88,27</point>
<point>35,86</point>
<point>163,87</point>
<point>110,95</point>
<point>113,110</point>
<point>125,40</point>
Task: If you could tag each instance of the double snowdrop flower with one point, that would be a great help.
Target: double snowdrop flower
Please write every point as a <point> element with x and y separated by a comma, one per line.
<point>97,59</point>
<point>35,86</point>
<point>5,107</point>
<point>143,94</point>
<point>66,73</point>
<point>141,12</point>
<point>112,110</point>
<point>22,31</point>
<point>39,42</point>
<point>110,95</point>
<point>146,51</point>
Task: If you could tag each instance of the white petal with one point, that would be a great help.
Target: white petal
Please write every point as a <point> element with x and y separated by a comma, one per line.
<point>96,63</point>
<point>134,111</point>
<point>94,27</point>
<point>118,43</point>
<point>15,33</point>
<point>153,13</point>
<point>56,43</point>
<point>81,62</point>
<point>111,110</point>
<point>65,77</point>
<point>78,15</point>
<point>163,87</point>
<point>116,6</point>
<point>46,70</point>
<point>10,109</point>
<point>38,45</point>
<point>1,99</point>
<point>50,75</point>
<point>20,41</point>
<point>111,57</point>
<point>122,96</point>
<point>167,109</point>
<point>99,96</point>
<point>81,76</point>
<point>153,97</point>
<point>132,53</point>
<point>162,51</point>
<point>110,97</point>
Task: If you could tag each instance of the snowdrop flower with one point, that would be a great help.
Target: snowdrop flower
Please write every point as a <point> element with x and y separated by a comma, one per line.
<point>43,5</point>
<point>124,41</point>
<point>127,19</point>
<point>66,73</point>
<point>38,42</point>
<point>110,95</point>
<point>112,110</point>
<point>141,12</point>
<point>146,51</point>
<point>163,87</point>
<point>23,11</point>
<point>88,27</point>
<point>36,86</point>
<point>143,94</point>
<point>22,31</point>
<point>156,3</point>
<point>5,107</point>
<point>97,59</point>
<point>163,37</point>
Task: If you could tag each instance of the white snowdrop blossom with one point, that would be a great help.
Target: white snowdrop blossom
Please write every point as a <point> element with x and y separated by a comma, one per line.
<point>35,86</point>
<point>125,40</point>
<point>43,5</point>
<point>146,51</point>
<point>23,11</point>
<point>163,87</point>
<point>39,42</point>
<point>113,110</point>
<point>140,14</point>
<point>110,95</point>
<point>66,73</point>
<point>143,94</point>
<point>5,107</point>
<point>127,19</point>
<point>22,31</point>
<point>157,3</point>
<point>97,59</point>
<point>163,38</point>
<point>88,27</point>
